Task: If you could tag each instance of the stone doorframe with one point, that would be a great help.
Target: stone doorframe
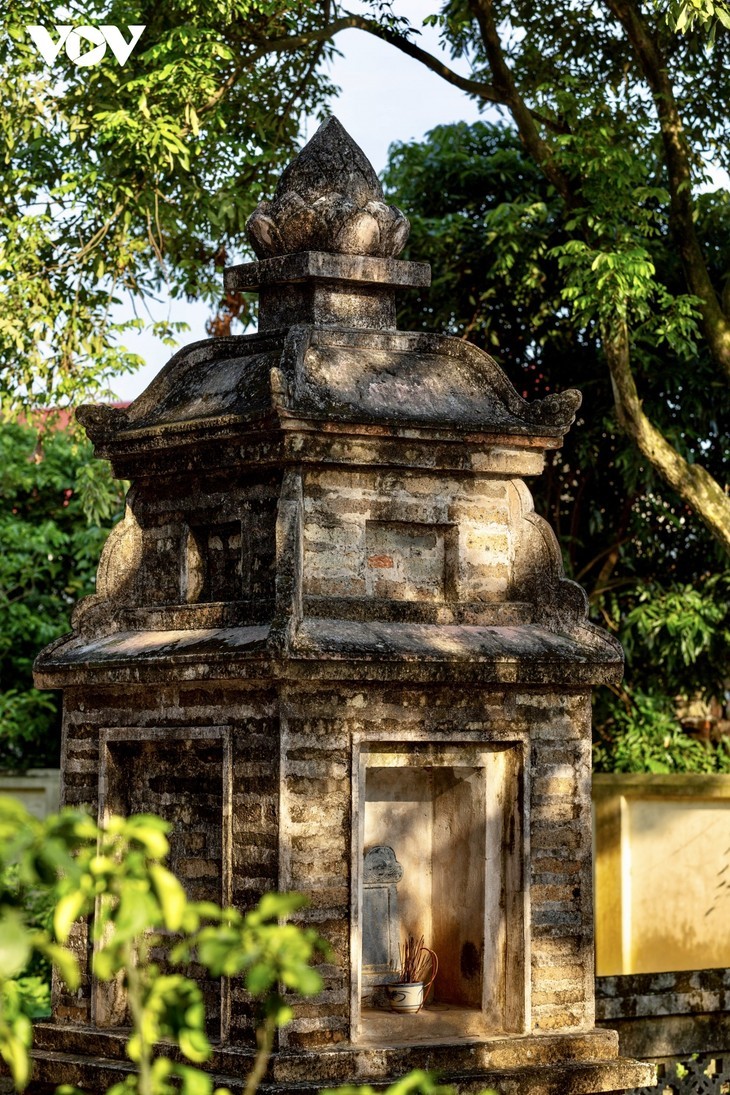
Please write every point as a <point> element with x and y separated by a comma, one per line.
<point>503,951</point>
<point>108,999</point>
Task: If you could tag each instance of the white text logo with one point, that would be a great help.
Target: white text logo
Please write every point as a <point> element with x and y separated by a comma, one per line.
<point>77,40</point>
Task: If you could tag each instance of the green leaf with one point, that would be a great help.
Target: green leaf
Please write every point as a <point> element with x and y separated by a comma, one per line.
<point>171,896</point>
<point>195,1045</point>
<point>15,943</point>
<point>194,1082</point>
<point>105,965</point>
<point>14,1051</point>
<point>260,978</point>
<point>66,964</point>
<point>68,910</point>
<point>149,831</point>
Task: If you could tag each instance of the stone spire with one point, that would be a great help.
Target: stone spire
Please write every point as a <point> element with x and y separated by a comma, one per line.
<point>327,242</point>
<point>328,199</point>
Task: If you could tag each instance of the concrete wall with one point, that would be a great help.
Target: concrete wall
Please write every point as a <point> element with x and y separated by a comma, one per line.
<point>662,872</point>
<point>38,789</point>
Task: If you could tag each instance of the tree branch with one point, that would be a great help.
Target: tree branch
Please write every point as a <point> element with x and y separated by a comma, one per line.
<point>653,65</point>
<point>614,547</point>
<point>90,244</point>
<point>488,92</point>
<point>691,481</point>
<point>506,88</point>
<point>297,41</point>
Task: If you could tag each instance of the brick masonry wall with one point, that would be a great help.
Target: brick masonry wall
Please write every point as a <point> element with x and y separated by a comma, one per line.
<point>317,730</point>
<point>205,757</point>
<point>205,545</point>
<point>675,1014</point>
<point>291,760</point>
<point>383,535</point>
<point>648,995</point>
<point>561,860</point>
<point>316,850</point>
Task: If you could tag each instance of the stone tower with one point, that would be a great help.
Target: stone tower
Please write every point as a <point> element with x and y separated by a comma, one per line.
<point>331,628</point>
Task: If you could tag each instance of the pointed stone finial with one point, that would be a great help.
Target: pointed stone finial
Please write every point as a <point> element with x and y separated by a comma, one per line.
<point>327,242</point>
<point>328,199</point>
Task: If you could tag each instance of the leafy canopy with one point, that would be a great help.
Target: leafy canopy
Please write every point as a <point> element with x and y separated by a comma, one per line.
<point>121,181</point>
<point>56,507</point>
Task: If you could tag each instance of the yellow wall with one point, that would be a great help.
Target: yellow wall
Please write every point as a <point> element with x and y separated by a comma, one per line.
<point>662,872</point>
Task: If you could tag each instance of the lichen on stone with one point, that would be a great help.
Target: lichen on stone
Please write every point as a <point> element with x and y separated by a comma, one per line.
<point>328,199</point>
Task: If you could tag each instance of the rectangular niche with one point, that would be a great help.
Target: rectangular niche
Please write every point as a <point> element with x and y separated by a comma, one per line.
<point>212,563</point>
<point>182,774</point>
<point>439,853</point>
<point>411,561</point>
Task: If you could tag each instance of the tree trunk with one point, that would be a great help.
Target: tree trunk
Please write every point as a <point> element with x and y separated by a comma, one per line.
<point>692,482</point>
<point>654,66</point>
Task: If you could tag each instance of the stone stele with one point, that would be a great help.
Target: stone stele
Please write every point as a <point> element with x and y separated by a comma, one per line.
<point>331,621</point>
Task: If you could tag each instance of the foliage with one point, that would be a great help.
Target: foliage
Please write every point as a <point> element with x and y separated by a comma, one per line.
<point>482,215</point>
<point>145,933</point>
<point>683,633</point>
<point>34,855</point>
<point>56,507</point>
<point>144,928</point>
<point>37,904</point>
<point>685,15</point>
<point>676,641</point>
<point>643,735</point>
<point>118,181</point>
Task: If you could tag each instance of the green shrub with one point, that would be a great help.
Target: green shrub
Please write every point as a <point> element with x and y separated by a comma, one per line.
<point>642,734</point>
<point>71,865</point>
<point>57,505</point>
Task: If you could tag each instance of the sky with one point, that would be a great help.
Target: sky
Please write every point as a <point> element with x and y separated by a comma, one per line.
<point>385,97</point>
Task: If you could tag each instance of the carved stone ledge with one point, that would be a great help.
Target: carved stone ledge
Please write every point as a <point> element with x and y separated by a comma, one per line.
<point>322,265</point>
<point>101,422</point>
<point>327,289</point>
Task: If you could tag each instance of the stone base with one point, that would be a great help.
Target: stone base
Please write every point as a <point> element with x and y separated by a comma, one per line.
<point>672,1014</point>
<point>545,1064</point>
